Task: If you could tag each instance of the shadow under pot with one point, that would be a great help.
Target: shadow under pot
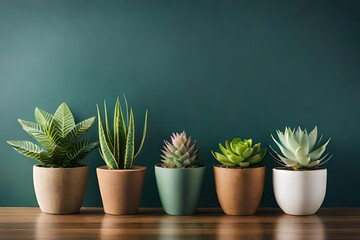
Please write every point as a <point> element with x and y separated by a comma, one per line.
<point>299,192</point>
<point>60,190</point>
<point>239,190</point>
<point>121,189</point>
<point>179,188</point>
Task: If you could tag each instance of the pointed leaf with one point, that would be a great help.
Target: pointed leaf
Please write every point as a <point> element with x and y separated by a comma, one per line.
<point>288,162</point>
<point>64,120</point>
<point>223,149</point>
<point>286,152</point>
<point>44,119</point>
<point>234,158</point>
<point>248,142</point>
<point>144,135</point>
<point>27,149</point>
<point>129,150</point>
<point>257,157</point>
<point>222,159</point>
<point>247,153</point>
<point>291,143</point>
<point>81,150</point>
<point>80,129</point>
<point>35,131</point>
<point>312,138</point>
<point>316,154</point>
<point>107,129</point>
<point>126,109</point>
<point>104,145</point>
<point>184,157</point>
<point>228,147</point>
<point>256,148</point>
<point>233,145</point>
<point>240,148</point>
<point>119,133</point>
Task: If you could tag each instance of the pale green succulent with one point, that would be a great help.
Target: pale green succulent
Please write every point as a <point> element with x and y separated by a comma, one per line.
<point>180,153</point>
<point>58,136</point>
<point>300,150</point>
<point>117,147</point>
<point>239,153</point>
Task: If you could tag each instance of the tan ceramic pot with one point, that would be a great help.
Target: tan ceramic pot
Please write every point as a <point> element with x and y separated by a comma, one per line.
<point>239,190</point>
<point>121,189</point>
<point>60,190</point>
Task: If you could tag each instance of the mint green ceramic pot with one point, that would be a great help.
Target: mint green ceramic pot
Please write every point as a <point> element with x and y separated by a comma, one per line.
<point>179,188</point>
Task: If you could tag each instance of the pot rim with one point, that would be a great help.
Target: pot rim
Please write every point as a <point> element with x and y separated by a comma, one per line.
<point>298,171</point>
<point>174,169</point>
<point>133,169</point>
<point>238,168</point>
<point>43,167</point>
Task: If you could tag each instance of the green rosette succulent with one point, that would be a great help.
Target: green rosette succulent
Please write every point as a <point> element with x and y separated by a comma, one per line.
<point>240,153</point>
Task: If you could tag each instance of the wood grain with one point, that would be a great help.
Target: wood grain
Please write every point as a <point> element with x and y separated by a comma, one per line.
<point>92,223</point>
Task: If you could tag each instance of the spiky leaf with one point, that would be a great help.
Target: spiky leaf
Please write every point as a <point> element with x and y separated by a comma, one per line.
<point>144,135</point>
<point>104,146</point>
<point>129,150</point>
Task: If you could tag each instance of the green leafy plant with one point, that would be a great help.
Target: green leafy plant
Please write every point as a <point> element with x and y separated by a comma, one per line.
<point>117,147</point>
<point>180,153</point>
<point>58,137</point>
<point>240,153</point>
<point>300,150</point>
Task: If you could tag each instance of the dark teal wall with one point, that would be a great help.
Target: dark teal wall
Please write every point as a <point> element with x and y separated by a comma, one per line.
<point>216,69</point>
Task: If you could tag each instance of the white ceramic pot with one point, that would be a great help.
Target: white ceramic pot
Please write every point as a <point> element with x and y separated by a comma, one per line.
<point>299,192</point>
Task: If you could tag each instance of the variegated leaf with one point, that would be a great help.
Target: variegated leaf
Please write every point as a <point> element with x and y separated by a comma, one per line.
<point>35,131</point>
<point>27,149</point>
<point>129,150</point>
<point>63,120</point>
<point>104,146</point>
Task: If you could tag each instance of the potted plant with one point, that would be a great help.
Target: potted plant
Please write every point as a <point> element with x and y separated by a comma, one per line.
<point>120,181</point>
<point>239,181</point>
<point>60,181</point>
<point>180,176</point>
<point>300,185</point>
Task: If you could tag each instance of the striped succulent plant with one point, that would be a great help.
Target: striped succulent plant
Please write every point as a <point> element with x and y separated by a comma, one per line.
<point>117,148</point>
<point>300,150</point>
<point>180,153</point>
<point>240,153</point>
<point>58,136</point>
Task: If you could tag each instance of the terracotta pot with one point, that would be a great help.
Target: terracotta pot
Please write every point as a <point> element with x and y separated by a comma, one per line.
<point>299,192</point>
<point>239,190</point>
<point>60,190</point>
<point>121,189</point>
<point>179,188</point>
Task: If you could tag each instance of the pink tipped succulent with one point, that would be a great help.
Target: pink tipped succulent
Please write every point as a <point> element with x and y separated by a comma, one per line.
<point>180,153</point>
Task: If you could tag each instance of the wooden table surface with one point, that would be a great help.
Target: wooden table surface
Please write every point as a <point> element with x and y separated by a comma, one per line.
<point>92,223</point>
